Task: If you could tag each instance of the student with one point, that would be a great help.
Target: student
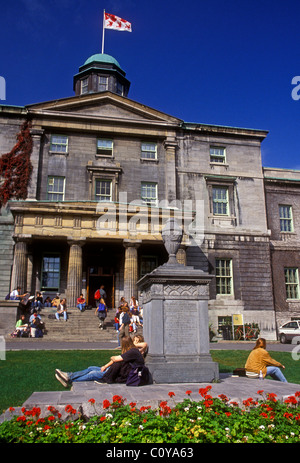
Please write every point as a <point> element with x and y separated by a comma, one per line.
<point>101,311</point>
<point>81,303</point>
<point>140,343</point>
<point>116,370</point>
<point>260,360</point>
<point>125,321</point>
<point>62,310</point>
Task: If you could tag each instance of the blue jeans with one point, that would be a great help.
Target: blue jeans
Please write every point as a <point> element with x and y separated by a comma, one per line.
<point>81,306</point>
<point>64,315</point>
<point>89,374</point>
<point>276,373</point>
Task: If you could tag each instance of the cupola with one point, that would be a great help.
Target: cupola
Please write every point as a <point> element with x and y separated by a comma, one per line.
<point>101,73</point>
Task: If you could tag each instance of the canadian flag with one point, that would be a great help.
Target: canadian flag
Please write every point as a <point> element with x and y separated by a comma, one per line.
<point>114,22</point>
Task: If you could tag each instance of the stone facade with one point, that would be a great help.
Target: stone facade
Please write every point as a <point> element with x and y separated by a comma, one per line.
<point>84,224</point>
<point>282,189</point>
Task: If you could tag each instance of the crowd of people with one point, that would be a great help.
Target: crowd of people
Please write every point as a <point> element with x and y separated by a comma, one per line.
<point>127,319</point>
<point>30,323</point>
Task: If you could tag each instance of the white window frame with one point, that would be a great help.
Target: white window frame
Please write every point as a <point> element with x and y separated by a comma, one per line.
<point>105,147</point>
<point>286,218</point>
<point>224,276</point>
<point>291,275</point>
<point>216,202</point>
<point>217,154</point>
<point>59,144</point>
<point>102,85</point>
<point>84,86</point>
<point>51,182</point>
<point>149,199</point>
<point>148,150</point>
<point>103,197</point>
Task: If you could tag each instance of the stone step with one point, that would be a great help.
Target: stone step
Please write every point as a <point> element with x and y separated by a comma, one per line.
<point>80,326</point>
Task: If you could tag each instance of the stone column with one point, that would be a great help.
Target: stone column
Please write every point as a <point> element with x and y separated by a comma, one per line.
<point>170,146</point>
<point>36,134</point>
<point>74,284</point>
<point>19,272</point>
<point>130,268</point>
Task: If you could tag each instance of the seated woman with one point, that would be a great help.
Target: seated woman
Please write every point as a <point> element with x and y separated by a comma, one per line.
<point>62,310</point>
<point>260,360</point>
<point>115,371</point>
<point>140,343</point>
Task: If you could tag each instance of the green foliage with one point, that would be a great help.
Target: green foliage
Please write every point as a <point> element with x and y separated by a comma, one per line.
<point>208,420</point>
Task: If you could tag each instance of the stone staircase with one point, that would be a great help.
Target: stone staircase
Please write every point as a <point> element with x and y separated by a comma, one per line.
<point>80,326</point>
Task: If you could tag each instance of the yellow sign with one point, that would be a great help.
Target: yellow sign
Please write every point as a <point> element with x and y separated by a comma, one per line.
<point>237,319</point>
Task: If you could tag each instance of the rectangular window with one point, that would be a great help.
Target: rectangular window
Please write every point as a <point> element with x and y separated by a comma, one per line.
<point>217,154</point>
<point>148,263</point>
<point>291,283</point>
<point>224,284</point>
<point>286,218</point>
<point>120,89</point>
<point>103,190</point>
<point>103,83</point>
<point>56,188</point>
<point>149,193</point>
<point>59,144</point>
<point>51,272</point>
<point>84,86</point>
<point>149,151</point>
<point>105,147</point>
<point>220,201</point>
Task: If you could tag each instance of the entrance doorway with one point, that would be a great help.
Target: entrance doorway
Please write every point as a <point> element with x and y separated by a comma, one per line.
<point>98,276</point>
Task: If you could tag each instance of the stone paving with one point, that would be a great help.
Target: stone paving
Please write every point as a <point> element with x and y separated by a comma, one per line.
<point>235,388</point>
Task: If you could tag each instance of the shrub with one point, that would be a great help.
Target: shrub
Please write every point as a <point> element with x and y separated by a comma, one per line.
<point>208,420</point>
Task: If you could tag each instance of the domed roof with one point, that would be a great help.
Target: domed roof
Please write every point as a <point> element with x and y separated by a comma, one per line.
<point>102,58</point>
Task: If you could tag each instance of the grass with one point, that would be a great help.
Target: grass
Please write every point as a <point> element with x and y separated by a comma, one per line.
<point>24,372</point>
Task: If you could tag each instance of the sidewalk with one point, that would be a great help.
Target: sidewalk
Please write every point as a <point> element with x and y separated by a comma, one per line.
<point>235,388</point>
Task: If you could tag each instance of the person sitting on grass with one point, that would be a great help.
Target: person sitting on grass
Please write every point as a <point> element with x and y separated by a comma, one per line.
<point>140,343</point>
<point>259,360</point>
<point>115,371</point>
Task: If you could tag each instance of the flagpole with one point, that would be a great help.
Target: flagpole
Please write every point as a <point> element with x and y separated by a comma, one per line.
<point>103,33</point>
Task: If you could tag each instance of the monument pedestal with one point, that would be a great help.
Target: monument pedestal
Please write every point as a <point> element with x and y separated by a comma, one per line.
<point>176,328</point>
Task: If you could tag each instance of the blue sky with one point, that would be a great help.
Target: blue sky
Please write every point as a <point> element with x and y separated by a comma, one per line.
<point>219,62</point>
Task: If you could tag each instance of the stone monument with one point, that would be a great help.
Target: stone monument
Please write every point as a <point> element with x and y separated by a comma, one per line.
<point>175,313</point>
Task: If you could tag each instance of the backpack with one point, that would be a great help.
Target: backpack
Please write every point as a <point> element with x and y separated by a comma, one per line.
<point>97,294</point>
<point>138,376</point>
<point>126,319</point>
<point>101,307</point>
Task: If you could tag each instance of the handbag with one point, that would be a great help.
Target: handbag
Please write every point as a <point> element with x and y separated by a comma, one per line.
<point>138,375</point>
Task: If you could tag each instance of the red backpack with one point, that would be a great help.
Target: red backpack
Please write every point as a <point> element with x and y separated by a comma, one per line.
<point>97,294</point>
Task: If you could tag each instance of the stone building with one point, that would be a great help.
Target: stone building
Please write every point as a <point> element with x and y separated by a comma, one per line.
<point>109,171</point>
<point>282,190</point>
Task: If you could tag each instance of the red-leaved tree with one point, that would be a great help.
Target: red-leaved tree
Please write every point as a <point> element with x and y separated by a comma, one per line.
<point>16,167</point>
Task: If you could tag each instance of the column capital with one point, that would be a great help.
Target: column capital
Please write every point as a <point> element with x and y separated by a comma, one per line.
<point>76,241</point>
<point>131,243</point>
<point>22,238</point>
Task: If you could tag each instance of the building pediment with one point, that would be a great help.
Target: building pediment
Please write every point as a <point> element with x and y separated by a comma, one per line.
<point>105,105</point>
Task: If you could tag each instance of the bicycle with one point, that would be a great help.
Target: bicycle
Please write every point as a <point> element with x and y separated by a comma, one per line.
<point>249,334</point>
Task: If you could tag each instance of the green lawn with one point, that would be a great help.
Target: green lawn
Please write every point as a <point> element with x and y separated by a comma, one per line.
<point>24,372</point>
